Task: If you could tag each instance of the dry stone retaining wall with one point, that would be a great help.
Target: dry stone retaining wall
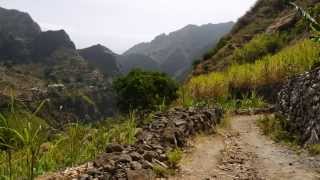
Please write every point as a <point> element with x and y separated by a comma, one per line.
<point>299,104</point>
<point>168,130</point>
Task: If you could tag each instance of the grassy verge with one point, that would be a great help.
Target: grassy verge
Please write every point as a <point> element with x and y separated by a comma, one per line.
<point>275,128</point>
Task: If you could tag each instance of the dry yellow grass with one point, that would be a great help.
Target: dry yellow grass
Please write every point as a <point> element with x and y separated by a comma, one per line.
<point>269,69</point>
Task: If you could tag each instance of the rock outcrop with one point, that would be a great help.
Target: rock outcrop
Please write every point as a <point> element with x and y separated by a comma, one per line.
<point>168,130</point>
<point>299,104</point>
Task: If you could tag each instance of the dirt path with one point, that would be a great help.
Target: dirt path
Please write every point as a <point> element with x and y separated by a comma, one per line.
<point>243,153</point>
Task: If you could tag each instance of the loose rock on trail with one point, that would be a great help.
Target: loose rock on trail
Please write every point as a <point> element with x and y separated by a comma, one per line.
<point>242,152</point>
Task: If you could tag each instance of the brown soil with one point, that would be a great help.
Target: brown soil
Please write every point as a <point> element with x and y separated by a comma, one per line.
<point>242,152</point>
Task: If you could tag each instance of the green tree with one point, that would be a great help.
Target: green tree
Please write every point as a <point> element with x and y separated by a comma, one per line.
<point>144,90</point>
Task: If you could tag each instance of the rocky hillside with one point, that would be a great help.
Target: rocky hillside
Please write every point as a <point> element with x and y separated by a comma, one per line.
<point>102,58</point>
<point>133,61</point>
<point>45,66</point>
<point>267,16</point>
<point>176,51</point>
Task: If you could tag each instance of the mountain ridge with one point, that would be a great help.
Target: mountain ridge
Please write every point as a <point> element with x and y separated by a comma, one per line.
<point>191,40</point>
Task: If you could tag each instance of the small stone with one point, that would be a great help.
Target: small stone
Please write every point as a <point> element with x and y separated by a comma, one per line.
<point>93,172</point>
<point>140,175</point>
<point>136,165</point>
<point>84,177</point>
<point>124,158</point>
<point>150,155</point>
<point>136,156</point>
<point>114,148</point>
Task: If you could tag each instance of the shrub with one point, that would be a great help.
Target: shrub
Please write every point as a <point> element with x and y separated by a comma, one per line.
<point>144,90</point>
<point>275,127</point>
<point>174,157</point>
<point>258,47</point>
<point>314,149</point>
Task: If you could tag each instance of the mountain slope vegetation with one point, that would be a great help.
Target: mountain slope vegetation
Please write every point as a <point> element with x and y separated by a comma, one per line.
<point>176,51</point>
<point>267,45</point>
<point>266,16</point>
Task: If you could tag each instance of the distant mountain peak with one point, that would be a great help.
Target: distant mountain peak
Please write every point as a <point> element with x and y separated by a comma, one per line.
<point>100,47</point>
<point>19,24</point>
<point>182,46</point>
<point>102,58</point>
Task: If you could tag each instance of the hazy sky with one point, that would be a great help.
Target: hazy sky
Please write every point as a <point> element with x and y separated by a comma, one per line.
<point>119,24</point>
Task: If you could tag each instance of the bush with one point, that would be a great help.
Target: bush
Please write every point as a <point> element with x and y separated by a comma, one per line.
<point>144,90</point>
<point>174,157</point>
<point>258,47</point>
<point>276,128</point>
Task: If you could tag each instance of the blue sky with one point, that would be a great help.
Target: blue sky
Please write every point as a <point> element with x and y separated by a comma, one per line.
<point>119,24</point>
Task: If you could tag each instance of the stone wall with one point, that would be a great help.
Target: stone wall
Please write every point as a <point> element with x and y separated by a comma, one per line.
<point>299,104</point>
<point>169,130</point>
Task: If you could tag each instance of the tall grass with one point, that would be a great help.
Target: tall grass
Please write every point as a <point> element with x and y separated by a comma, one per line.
<point>29,150</point>
<point>268,70</point>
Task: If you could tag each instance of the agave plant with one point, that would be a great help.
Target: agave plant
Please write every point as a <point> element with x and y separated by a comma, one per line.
<point>313,23</point>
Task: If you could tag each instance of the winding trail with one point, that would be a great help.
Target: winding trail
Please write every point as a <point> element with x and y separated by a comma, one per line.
<point>242,152</point>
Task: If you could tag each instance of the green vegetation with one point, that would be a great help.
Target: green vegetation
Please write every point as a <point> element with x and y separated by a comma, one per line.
<point>174,157</point>
<point>29,147</point>
<point>259,46</point>
<point>270,69</point>
<point>314,149</point>
<point>213,51</point>
<point>247,101</point>
<point>144,90</point>
<point>275,128</point>
<point>161,171</point>
<point>313,23</point>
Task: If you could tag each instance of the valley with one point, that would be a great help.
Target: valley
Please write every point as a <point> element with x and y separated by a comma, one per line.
<point>236,101</point>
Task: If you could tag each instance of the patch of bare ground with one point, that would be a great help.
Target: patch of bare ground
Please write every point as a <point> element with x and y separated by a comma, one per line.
<point>242,152</point>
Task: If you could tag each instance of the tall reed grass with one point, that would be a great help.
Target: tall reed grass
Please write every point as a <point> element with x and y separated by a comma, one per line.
<point>268,70</point>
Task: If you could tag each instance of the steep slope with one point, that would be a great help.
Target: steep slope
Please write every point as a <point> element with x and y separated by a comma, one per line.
<point>45,66</point>
<point>266,16</point>
<point>102,58</point>
<point>17,30</point>
<point>182,46</point>
<point>133,61</point>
